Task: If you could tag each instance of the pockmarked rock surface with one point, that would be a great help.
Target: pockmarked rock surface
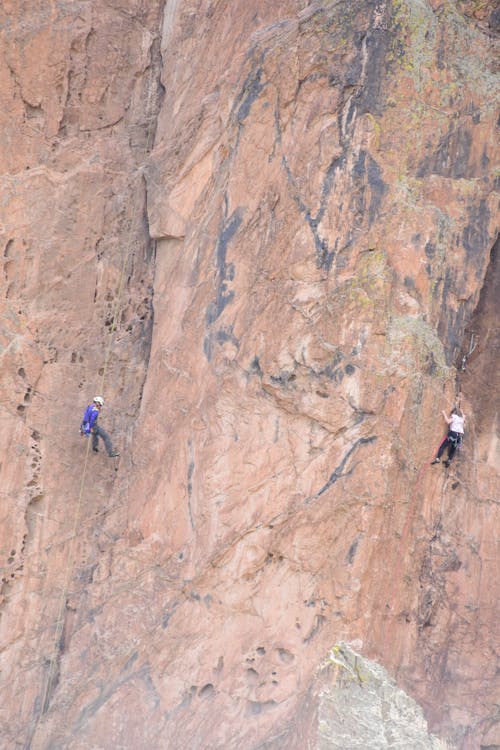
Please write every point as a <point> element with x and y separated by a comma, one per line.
<point>267,233</point>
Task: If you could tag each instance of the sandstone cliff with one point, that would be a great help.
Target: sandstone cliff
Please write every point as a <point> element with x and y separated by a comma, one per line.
<point>267,233</point>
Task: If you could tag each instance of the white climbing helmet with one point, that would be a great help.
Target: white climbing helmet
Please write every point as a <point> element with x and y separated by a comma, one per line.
<point>99,400</point>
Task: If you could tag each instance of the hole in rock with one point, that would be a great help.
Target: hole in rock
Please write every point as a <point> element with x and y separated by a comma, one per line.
<point>9,244</point>
<point>286,656</point>
<point>255,707</point>
<point>252,676</point>
<point>33,111</point>
<point>206,690</point>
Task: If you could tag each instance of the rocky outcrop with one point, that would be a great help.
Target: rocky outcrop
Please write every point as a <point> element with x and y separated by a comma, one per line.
<point>363,709</point>
<point>305,195</point>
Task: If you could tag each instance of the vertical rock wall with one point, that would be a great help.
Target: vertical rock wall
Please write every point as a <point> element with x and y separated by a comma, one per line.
<point>79,94</point>
<point>321,197</point>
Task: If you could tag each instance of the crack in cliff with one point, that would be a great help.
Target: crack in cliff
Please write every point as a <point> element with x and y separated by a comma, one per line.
<point>478,374</point>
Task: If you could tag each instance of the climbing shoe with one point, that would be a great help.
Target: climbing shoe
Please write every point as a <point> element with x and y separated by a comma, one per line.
<point>446,463</point>
<point>113,454</point>
<point>436,461</point>
<point>96,450</point>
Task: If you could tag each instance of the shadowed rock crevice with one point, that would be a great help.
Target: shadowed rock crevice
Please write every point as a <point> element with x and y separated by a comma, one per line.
<point>478,374</point>
<point>455,325</point>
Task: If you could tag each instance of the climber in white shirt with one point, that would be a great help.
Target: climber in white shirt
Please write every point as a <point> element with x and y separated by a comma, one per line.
<point>453,439</point>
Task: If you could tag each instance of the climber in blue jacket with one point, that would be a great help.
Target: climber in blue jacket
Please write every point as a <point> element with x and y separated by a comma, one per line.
<point>90,426</point>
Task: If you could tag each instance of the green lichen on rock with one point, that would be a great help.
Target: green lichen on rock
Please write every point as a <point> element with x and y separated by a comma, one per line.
<point>414,28</point>
<point>415,24</point>
<point>366,289</point>
<point>416,33</point>
<point>414,346</point>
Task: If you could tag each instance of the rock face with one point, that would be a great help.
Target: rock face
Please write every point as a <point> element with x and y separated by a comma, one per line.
<point>362,709</point>
<point>267,233</point>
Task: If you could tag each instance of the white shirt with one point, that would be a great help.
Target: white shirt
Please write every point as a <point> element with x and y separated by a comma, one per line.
<point>457,423</point>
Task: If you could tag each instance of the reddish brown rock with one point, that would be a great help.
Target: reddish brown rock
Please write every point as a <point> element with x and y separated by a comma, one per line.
<point>315,229</point>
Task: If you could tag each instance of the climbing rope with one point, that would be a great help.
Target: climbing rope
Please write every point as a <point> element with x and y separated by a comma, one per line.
<point>70,562</point>
<point>59,625</point>
<point>472,347</point>
<point>412,507</point>
<point>64,592</point>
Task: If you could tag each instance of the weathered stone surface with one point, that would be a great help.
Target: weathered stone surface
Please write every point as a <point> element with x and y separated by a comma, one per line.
<point>363,709</point>
<point>306,196</point>
<point>75,126</point>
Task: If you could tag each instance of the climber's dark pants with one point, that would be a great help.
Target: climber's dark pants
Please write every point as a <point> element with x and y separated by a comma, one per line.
<point>98,432</point>
<point>451,441</point>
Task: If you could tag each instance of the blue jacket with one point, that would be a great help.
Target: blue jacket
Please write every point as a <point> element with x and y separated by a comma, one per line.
<point>89,418</point>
